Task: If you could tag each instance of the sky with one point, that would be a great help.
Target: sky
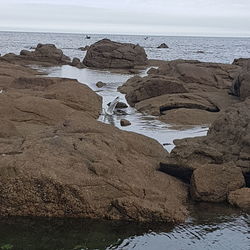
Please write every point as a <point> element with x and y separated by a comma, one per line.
<point>146,17</point>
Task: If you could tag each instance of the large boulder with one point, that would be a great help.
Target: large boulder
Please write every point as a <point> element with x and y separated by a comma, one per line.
<point>108,54</point>
<point>57,160</point>
<point>214,182</point>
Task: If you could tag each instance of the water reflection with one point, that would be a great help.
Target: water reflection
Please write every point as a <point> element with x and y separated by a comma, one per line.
<point>210,227</point>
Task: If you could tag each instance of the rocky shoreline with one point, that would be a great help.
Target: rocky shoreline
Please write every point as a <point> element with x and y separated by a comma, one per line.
<point>57,160</point>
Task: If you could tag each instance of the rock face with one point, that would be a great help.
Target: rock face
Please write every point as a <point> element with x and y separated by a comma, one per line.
<point>193,90</point>
<point>44,54</point>
<point>241,85</point>
<point>163,46</point>
<point>57,160</point>
<point>109,54</point>
<point>213,182</point>
<point>228,141</point>
<point>240,198</point>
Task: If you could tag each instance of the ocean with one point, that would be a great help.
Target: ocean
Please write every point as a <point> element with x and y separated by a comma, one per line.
<point>210,226</point>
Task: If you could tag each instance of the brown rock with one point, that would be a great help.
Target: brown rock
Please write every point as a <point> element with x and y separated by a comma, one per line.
<point>109,54</point>
<point>138,89</point>
<point>84,48</point>
<point>125,122</point>
<point>213,182</point>
<point>44,54</point>
<point>228,140</point>
<point>240,198</point>
<point>77,63</point>
<point>62,162</point>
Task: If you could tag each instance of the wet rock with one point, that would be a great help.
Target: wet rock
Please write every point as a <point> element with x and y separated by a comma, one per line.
<point>121,105</point>
<point>163,46</point>
<point>125,122</point>
<point>100,84</point>
<point>240,198</point>
<point>213,182</point>
<point>108,54</point>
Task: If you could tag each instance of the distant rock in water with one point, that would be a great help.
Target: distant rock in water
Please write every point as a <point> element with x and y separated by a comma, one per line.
<point>108,54</point>
<point>200,52</point>
<point>84,48</point>
<point>163,46</point>
<point>46,52</point>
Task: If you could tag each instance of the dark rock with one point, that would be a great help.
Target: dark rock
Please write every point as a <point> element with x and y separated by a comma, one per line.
<point>241,85</point>
<point>109,54</point>
<point>77,63</point>
<point>179,172</point>
<point>125,122</point>
<point>200,52</point>
<point>100,84</point>
<point>163,46</point>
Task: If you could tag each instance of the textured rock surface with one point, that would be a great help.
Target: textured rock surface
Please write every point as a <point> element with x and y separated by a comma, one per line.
<point>240,198</point>
<point>108,54</point>
<point>56,159</point>
<point>228,140</point>
<point>214,182</point>
<point>175,88</point>
<point>241,85</point>
<point>44,54</point>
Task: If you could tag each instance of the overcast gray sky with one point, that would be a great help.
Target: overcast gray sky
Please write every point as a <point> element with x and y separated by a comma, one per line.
<point>153,17</point>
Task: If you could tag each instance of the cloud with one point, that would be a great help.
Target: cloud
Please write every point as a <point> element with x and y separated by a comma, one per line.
<point>193,17</point>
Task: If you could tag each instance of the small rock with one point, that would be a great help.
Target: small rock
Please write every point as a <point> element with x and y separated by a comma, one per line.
<point>121,105</point>
<point>75,61</point>
<point>163,46</point>
<point>200,52</point>
<point>84,48</point>
<point>100,84</point>
<point>120,112</point>
<point>125,122</point>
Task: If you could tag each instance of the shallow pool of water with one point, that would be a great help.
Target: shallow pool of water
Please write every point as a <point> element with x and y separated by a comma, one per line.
<point>140,123</point>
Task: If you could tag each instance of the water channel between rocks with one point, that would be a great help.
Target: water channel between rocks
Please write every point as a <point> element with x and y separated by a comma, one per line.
<point>140,123</point>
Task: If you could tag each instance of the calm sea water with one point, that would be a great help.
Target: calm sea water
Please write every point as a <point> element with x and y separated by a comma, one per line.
<point>209,226</point>
<point>215,49</point>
